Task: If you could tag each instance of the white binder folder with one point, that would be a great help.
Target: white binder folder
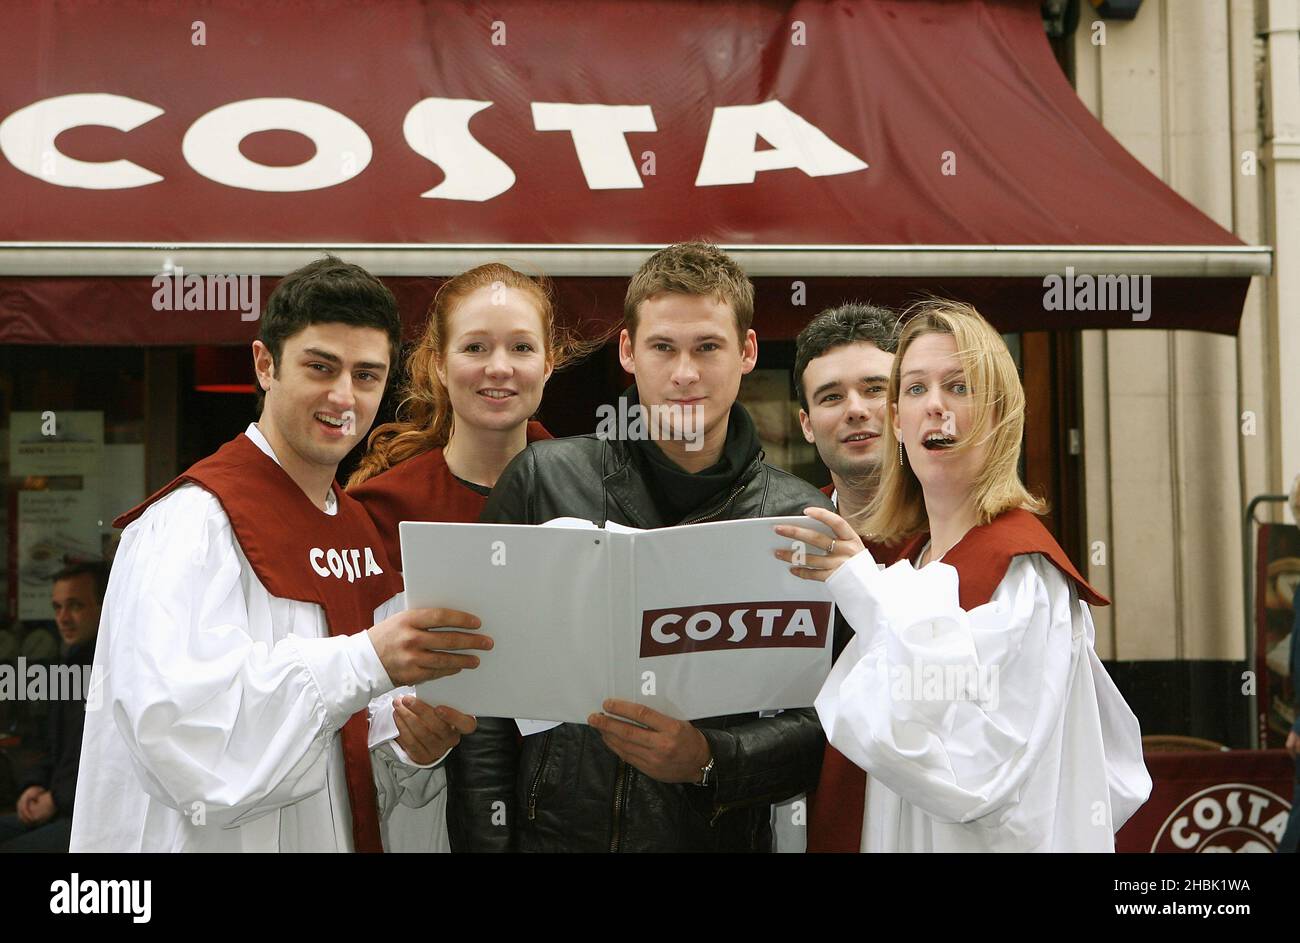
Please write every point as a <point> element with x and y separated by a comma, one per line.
<point>694,621</point>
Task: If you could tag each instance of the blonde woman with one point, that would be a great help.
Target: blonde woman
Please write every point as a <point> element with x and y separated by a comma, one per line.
<point>971,693</point>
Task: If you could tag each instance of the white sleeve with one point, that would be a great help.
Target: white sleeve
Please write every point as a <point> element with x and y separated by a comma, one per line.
<point>398,781</point>
<point>210,706</point>
<point>383,729</point>
<point>950,710</point>
<point>1127,779</point>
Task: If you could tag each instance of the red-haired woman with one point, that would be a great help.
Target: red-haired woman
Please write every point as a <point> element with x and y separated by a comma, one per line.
<point>473,382</point>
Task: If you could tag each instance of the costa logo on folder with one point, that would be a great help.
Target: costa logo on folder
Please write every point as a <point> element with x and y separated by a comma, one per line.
<point>730,626</point>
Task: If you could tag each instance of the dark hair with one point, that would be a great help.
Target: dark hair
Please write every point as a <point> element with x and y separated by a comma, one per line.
<point>97,570</point>
<point>691,268</point>
<point>328,291</point>
<point>847,324</point>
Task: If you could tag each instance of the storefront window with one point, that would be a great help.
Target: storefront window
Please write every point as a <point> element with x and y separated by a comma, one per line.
<point>72,453</point>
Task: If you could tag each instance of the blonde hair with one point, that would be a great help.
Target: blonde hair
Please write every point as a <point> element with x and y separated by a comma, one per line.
<point>691,268</point>
<point>424,415</point>
<point>897,511</point>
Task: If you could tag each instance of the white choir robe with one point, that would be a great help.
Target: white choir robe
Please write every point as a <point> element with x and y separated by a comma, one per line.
<point>1051,762</point>
<point>217,725</point>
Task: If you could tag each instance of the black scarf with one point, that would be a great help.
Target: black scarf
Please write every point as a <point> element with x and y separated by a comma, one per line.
<point>677,493</point>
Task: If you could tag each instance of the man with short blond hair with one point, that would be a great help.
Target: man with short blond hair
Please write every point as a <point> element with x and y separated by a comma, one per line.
<point>658,784</point>
<point>691,268</point>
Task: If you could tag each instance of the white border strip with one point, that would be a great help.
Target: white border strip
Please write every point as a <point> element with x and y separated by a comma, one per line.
<point>798,261</point>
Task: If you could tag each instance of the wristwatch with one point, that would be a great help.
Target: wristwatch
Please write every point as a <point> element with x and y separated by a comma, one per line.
<point>706,774</point>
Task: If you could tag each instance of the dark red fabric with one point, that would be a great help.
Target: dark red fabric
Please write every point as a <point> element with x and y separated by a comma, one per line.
<point>840,795</point>
<point>1032,165</point>
<point>983,555</point>
<point>981,559</point>
<point>422,488</point>
<point>118,311</point>
<point>1243,796</point>
<point>278,527</point>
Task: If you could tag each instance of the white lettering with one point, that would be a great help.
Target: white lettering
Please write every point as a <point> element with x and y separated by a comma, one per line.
<point>354,563</point>
<point>1207,813</point>
<point>438,130</point>
<point>1235,814</point>
<point>730,155</point>
<point>801,624</point>
<point>211,145</point>
<point>737,622</point>
<point>599,138</point>
<point>103,897</point>
<point>27,139</point>
<point>1276,826</point>
<point>768,617</point>
<point>59,901</point>
<point>658,626</point>
<point>710,619</point>
<point>1179,836</point>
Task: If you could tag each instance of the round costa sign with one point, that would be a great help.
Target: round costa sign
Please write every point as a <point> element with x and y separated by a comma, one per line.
<point>1228,817</point>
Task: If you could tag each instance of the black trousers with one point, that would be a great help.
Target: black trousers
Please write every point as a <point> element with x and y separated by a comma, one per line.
<point>51,838</point>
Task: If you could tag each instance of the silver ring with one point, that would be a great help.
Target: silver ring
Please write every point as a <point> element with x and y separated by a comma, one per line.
<point>831,548</point>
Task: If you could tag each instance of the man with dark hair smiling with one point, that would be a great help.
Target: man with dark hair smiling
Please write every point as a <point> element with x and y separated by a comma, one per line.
<point>657,783</point>
<point>236,649</point>
<point>841,373</point>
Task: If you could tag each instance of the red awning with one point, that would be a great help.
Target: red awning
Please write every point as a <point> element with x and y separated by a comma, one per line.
<point>928,143</point>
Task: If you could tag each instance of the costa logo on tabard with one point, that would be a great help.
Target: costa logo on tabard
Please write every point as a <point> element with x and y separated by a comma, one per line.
<point>1227,817</point>
<point>351,565</point>
<point>731,626</point>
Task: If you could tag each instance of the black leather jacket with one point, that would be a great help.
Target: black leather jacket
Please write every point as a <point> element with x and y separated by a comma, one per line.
<point>564,790</point>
